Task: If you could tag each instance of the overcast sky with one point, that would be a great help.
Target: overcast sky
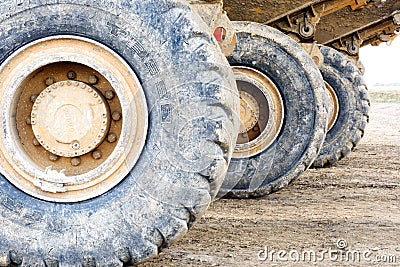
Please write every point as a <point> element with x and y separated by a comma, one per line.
<point>382,63</point>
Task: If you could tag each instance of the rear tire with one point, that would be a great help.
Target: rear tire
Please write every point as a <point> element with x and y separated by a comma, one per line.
<point>348,84</point>
<point>300,84</point>
<point>191,101</point>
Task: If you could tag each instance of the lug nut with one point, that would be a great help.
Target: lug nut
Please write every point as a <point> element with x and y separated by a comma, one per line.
<point>116,116</point>
<point>97,154</point>
<point>76,161</point>
<point>93,79</point>
<point>53,157</point>
<point>49,81</point>
<point>35,142</point>
<point>112,137</point>
<point>109,94</point>
<point>75,145</point>
<point>33,97</point>
<point>28,120</point>
<point>71,75</point>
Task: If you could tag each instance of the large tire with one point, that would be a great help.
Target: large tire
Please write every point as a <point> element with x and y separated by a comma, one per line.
<point>353,106</point>
<point>301,87</point>
<point>191,101</point>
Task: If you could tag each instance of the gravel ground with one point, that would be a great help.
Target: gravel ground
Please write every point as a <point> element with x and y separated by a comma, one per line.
<point>348,215</point>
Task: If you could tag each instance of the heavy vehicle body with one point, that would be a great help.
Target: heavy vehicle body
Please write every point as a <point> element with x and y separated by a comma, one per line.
<point>115,189</point>
<point>345,25</point>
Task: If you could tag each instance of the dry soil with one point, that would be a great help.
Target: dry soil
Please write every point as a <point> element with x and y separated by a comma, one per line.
<point>355,203</point>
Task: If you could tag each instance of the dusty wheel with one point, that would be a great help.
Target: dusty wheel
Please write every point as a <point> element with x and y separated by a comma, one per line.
<point>283,116</point>
<point>101,128</point>
<point>350,97</point>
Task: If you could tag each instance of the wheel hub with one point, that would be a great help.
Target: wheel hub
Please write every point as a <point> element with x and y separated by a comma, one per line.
<point>333,112</point>
<point>249,112</point>
<point>261,112</point>
<point>70,118</point>
<point>74,119</point>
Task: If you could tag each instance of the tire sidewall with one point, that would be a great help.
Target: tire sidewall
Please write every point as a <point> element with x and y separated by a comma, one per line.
<point>283,61</point>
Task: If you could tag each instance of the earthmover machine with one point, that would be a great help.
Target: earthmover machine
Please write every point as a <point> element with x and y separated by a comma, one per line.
<point>122,120</point>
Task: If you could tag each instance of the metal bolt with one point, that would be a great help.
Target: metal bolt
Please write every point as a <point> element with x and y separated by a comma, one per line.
<point>112,137</point>
<point>53,157</point>
<point>28,120</point>
<point>97,154</point>
<point>33,97</point>
<point>71,75</point>
<point>35,142</point>
<point>76,161</point>
<point>93,79</point>
<point>75,145</point>
<point>116,116</point>
<point>109,94</point>
<point>49,81</point>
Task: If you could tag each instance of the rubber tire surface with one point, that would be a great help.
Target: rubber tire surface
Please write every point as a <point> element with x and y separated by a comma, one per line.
<point>346,80</point>
<point>191,95</point>
<point>302,89</point>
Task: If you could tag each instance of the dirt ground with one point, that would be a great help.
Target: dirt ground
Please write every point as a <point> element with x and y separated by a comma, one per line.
<point>347,215</point>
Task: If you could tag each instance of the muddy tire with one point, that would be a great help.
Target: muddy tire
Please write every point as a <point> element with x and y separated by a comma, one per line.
<point>290,74</point>
<point>347,83</point>
<point>177,97</point>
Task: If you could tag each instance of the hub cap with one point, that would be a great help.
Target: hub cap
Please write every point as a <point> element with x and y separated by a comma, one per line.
<point>70,119</point>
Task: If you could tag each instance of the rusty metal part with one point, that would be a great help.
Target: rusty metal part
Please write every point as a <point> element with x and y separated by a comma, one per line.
<point>262,112</point>
<point>267,11</point>
<point>383,30</point>
<point>116,116</point>
<point>212,13</point>
<point>249,112</point>
<point>297,17</point>
<point>53,157</point>
<point>28,120</point>
<point>25,163</point>
<point>313,50</point>
<point>71,75</point>
<point>112,137</point>
<point>49,81</point>
<point>76,161</point>
<point>70,119</point>
<point>109,94</point>
<point>324,21</point>
<point>93,80</point>
<point>35,142</point>
<point>33,97</point>
<point>97,154</point>
<point>333,111</point>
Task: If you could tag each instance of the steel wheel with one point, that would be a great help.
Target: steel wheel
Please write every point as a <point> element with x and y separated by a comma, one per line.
<point>333,112</point>
<point>91,109</point>
<point>68,141</point>
<point>283,115</point>
<point>261,112</point>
